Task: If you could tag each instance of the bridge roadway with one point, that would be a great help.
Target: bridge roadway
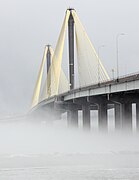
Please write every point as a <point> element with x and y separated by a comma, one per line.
<point>119,94</point>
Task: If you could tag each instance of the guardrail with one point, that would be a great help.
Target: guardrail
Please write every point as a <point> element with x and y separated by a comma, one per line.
<point>121,79</point>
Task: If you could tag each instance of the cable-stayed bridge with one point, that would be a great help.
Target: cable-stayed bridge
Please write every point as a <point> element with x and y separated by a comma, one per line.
<point>94,90</point>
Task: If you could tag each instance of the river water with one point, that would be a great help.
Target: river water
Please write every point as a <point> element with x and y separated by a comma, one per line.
<point>34,152</point>
<point>70,167</point>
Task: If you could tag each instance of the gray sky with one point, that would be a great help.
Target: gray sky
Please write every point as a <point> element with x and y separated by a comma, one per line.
<point>26,26</point>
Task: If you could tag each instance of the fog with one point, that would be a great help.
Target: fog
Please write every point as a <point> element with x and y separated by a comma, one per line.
<point>55,151</point>
<point>36,138</point>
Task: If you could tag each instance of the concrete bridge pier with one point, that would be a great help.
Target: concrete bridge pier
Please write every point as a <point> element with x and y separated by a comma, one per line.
<point>86,117</point>
<point>72,118</point>
<point>137,116</point>
<point>102,116</point>
<point>117,114</point>
<point>127,116</point>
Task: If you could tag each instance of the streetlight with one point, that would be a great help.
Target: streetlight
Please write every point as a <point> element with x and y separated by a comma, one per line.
<point>117,52</point>
<point>112,74</point>
<point>102,46</point>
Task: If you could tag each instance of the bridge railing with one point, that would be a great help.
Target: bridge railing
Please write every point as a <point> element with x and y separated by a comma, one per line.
<point>121,79</point>
<point>129,75</point>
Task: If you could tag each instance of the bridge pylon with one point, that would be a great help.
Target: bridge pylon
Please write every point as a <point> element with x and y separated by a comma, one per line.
<point>71,48</point>
<point>48,57</point>
<point>46,60</point>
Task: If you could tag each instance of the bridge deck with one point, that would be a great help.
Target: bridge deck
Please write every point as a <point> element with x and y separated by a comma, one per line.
<point>127,83</point>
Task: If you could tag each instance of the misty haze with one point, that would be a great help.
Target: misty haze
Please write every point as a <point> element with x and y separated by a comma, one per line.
<point>69,94</point>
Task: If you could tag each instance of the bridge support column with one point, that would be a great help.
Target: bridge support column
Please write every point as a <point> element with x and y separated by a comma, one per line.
<point>127,116</point>
<point>137,116</point>
<point>86,117</point>
<point>102,116</point>
<point>72,118</point>
<point>117,113</point>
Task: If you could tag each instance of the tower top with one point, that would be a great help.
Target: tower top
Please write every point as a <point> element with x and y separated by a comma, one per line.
<point>48,45</point>
<point>71,9</point>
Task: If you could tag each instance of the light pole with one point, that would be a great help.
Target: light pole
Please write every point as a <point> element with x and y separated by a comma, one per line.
<point>112,74</point>
<point>102,46</point>
<point>117,51</point>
